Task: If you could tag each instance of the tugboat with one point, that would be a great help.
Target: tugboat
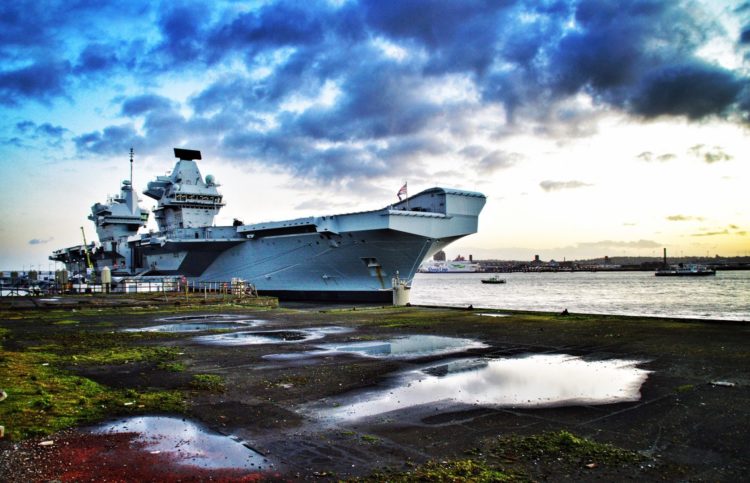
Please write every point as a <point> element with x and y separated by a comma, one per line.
<point>493,279</point>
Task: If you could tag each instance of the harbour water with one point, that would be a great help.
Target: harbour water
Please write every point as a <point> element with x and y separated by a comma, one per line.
<point>725,296</point>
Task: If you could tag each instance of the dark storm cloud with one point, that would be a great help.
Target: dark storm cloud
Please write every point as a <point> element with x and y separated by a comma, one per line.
<point>468,44</point>
<point>527,59</point>
<point>47,133</point>
<point>42,82</point>
<point>50,131</point>
<point>135,106</point>
<point>274,25</point>
<point>96,58</point>
<point>379,100</point>
<point>695,90</point>
<point>111,140</point>
<point>301,156</point>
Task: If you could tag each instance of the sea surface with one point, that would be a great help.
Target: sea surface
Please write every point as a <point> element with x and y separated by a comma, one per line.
<point>725,296</point>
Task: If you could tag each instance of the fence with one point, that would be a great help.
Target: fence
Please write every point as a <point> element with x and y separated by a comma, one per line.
<point>234,287</point>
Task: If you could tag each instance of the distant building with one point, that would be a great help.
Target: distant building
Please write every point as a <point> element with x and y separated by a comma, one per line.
<point>439,256</point>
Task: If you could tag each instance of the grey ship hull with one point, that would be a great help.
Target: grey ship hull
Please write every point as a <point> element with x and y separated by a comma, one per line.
<point>352,256</point>
<point>349,257</point>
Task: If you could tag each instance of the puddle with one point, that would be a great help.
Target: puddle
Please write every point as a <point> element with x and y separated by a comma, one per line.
<point>184,443</point>
<point>269,336</point>
<point>410,347</point>
<point>186,318</point>
<point>531,382</point>
<point>198,326</point>
<point>494,315</point>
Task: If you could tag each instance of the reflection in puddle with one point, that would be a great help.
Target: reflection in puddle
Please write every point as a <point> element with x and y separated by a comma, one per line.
<point>269,336</point>
<point>200,323</point>
<point>185,318</point>
<point>198,326</point>
<point>412,346</point>
<point>533,381</point>
<point>186,443</point>
<point>494,315</point>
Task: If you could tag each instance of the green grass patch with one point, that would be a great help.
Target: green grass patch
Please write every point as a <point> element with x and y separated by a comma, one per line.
<point>369,439</point>
<point>103,347</point>
<point>517,458</point>
<point>207,382</point>
<point>457,471</point>
<point>409,318</point>
<point>172,366</point>
<point>66,322</point>
<point>563,447</point>
<point>124,355</point>
<point>43,399</point>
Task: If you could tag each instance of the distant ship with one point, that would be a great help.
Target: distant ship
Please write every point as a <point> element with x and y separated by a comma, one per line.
<point>344,257</point>
<point>449,267</point>
<point>685,270</point>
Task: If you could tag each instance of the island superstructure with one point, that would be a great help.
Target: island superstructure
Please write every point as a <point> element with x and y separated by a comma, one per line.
<point>346,257</point>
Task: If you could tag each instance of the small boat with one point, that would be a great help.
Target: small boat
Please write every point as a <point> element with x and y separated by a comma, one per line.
<point>493,279</point>
<point>689,270</point>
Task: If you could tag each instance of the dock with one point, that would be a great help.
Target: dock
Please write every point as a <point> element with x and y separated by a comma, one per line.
<point>689,422</point>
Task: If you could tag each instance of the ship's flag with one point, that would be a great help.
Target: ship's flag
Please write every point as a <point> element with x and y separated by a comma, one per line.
<point>402,192</point>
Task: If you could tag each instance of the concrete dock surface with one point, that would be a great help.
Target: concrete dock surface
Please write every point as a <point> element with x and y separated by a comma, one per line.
<point>307,386</point>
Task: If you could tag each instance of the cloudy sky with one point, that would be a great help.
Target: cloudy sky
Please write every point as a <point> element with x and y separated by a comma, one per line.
<point>602,127</point>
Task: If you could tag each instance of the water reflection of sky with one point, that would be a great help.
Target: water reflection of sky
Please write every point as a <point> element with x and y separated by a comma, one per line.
<point>270,336</point>
<point>198,326</point>
<point>187,443</point>
<point>410,346</point>
<point>533,381</point>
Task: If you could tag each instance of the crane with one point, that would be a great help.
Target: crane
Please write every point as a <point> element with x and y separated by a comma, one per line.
<point>86,249</point>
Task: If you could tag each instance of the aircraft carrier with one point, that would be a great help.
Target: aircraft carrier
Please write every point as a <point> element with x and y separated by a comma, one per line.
<point>344,257</point>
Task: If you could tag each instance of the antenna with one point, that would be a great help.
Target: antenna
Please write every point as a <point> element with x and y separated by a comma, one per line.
<point>131,166</point>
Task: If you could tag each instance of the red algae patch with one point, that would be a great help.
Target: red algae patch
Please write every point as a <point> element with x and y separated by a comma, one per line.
<point>141,449</point>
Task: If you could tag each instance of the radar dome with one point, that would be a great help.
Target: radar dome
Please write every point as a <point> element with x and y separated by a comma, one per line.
<point>210,179</point>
